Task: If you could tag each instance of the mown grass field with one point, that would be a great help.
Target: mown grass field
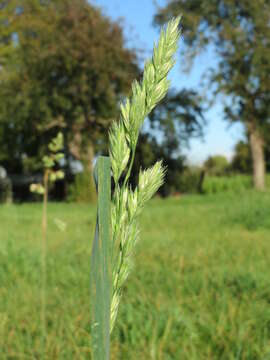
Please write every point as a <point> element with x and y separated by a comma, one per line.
<point>200,289</point>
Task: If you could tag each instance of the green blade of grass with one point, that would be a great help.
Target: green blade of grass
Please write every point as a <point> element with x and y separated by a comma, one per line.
<point>101,264</point>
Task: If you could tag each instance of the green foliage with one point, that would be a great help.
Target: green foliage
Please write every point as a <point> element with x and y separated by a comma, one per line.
<point>82,190</point>
<point>216,165</point>
<point>200,289</point>
<point>56,145</point>
<point>236,183</point>
<point>233,183</point>
<point>190,180</point>
<point>242,161</point>
<point>37,188</point>
<point>149,151</point>
<point>180,117</point>
<point>237,32</point>
<point>65,69</point>
<point>49,161</point>
<point>127,203</point>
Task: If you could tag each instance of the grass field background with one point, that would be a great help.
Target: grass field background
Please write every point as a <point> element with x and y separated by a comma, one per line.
<point>200,288</point>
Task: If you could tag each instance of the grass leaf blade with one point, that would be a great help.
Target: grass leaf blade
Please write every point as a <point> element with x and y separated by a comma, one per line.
<point>101,264</point>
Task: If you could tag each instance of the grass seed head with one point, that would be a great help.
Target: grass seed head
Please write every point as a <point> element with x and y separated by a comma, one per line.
<point>127,204</point>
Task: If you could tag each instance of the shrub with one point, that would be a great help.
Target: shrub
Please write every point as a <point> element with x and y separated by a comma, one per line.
<point>83,188</point>
<point>190,180</point>
<point>219,184</point>
<point>217,165</point>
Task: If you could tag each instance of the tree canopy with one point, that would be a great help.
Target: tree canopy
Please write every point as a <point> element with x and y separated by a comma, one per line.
<point>180,117</point>
<point>216,165</point>
<point>239,33</point>
<point>64,65</point>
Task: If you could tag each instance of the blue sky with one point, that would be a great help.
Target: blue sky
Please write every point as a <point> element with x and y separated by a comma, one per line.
<point>137,17</point>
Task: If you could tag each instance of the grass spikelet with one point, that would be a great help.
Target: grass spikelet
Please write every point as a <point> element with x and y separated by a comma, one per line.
<point>128,203</point>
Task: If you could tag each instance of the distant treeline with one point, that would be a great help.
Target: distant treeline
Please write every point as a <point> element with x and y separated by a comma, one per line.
<point>215,175</point>
<point>65,66</point>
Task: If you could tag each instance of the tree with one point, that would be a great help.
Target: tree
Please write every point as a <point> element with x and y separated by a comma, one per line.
<point>149,151</point>
<point>173,123</point>
<point>64,66</point>
<point>179,117</point>
<point>216,165</point>
<point>242,159</point>
<point>239,33</point>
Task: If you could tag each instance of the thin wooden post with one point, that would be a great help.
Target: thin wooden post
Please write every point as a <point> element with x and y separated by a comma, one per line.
<point>101,264</point>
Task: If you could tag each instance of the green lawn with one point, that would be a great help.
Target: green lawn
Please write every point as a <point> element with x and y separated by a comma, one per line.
<point>200,288</point>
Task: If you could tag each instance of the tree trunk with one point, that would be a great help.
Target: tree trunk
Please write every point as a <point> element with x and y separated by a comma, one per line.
<point>258,160</point>
<point>200,185</point>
